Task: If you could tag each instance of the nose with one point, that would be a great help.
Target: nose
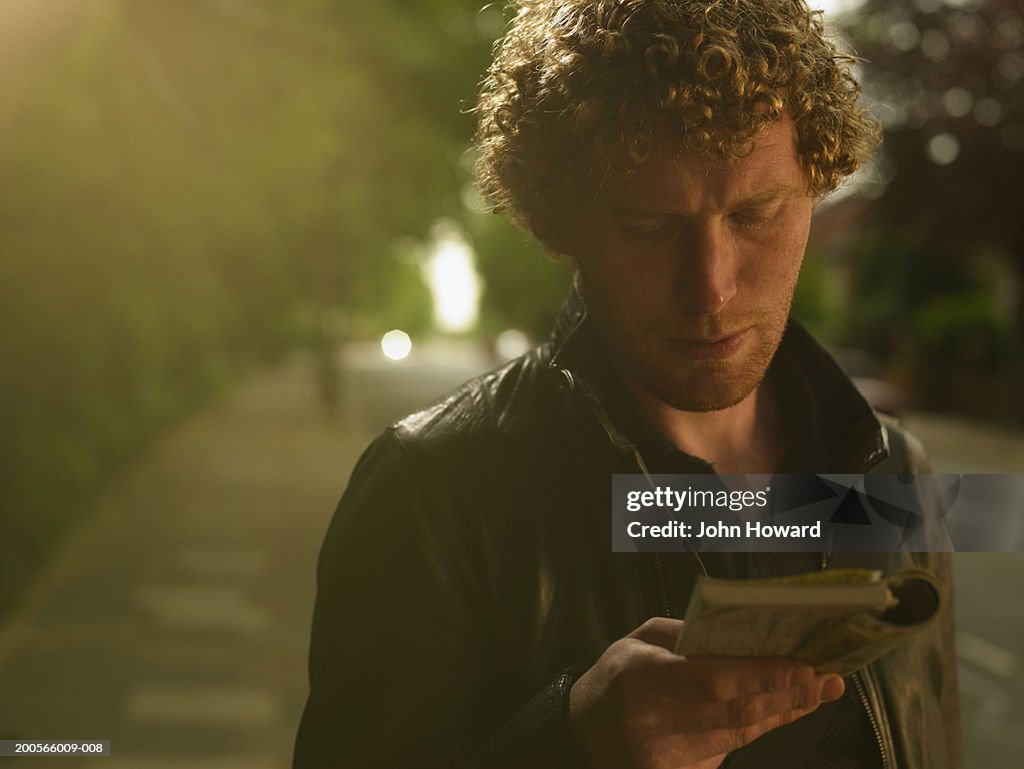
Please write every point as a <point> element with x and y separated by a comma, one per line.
<point>708,268</point>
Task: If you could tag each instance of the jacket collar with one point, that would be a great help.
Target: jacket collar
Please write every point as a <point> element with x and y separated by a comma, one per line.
<point>830,427</point>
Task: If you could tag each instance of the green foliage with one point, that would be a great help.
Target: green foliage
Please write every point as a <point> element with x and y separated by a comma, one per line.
<point>813,305</point>
<point>948,81</point>
<point>524,286</point>
<point>189,187</point>
<point>400,298</point>
<point>943,321</point>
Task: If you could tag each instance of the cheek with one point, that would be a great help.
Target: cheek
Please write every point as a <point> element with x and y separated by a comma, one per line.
<point>772,266</point>
<point>771,285</point>
<point>634,298</point>
<point>783,264</point>
<point>621,280</point>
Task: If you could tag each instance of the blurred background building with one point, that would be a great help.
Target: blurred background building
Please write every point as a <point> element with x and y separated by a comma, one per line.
<point>237,237</point>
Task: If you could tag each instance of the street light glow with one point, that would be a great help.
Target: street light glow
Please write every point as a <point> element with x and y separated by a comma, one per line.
<point>396,344</point>
<point>453,281</point>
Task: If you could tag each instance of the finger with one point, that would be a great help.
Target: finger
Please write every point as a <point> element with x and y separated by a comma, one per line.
<point>659,631</point>
<point>707,746</point>
<point>733,739</point>
<point>727,678</point>
<point>833,687</point>
<point>758,673</point>
<point>751,709</point>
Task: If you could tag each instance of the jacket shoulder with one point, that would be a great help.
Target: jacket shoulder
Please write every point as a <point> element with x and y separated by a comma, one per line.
<point>906,452</point>
<point>511,400</point>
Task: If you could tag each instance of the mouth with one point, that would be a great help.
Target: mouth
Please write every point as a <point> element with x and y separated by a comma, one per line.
<point>722,348</point>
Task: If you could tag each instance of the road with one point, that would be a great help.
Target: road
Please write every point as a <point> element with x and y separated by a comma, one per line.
<point>174,620</point>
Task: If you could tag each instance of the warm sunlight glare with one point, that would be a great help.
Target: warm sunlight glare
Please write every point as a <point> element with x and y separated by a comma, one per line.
<point>454,284</point>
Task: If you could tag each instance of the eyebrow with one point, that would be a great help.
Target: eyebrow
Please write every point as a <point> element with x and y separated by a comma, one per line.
<point>771,194</point>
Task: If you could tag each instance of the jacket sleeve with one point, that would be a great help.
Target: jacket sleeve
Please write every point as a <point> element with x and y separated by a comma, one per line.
<point>936,646</point>
<point>396,658</point>
<point>949,699</point>
<point>940,563</point>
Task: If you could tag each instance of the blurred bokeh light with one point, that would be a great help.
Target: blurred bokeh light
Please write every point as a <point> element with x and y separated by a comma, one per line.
<point>396,345</point>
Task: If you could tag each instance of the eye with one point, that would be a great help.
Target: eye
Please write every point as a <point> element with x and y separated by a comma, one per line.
<point>649,228</point>
<point>748,218</point>
<point>755,216</point>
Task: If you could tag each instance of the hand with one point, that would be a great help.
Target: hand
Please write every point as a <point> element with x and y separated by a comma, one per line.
<point>641,706</point>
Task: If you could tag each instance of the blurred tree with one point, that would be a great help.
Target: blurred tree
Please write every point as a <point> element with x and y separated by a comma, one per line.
<point>946,239</point>
<point>523,285</point>
<point>182,180</point>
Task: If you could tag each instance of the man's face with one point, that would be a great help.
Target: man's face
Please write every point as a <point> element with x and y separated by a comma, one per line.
<point>689,267</point>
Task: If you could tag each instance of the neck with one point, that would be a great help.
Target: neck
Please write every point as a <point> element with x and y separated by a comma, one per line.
<point>745,438</point>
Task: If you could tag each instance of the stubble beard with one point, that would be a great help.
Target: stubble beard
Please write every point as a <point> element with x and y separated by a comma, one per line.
<point>701,385</point>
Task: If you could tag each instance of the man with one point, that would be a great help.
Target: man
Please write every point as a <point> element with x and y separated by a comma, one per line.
<point>470,610</point>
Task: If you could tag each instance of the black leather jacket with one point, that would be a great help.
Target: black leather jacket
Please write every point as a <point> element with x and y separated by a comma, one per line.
<point>467,578</point>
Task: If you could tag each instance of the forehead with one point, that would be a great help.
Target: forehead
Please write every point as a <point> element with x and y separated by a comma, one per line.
<point>676,180</point>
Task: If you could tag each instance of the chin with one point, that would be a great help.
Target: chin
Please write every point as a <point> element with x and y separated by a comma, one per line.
<point>705,393</point>
<point>705,385</point>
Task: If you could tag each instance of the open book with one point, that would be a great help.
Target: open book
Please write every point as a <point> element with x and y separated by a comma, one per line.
<point>837,621</point>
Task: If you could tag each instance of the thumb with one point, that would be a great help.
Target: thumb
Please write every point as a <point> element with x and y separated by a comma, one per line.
<point>659,631</point>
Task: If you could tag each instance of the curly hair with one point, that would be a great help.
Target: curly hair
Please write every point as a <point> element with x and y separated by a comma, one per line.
<point>577,88</point>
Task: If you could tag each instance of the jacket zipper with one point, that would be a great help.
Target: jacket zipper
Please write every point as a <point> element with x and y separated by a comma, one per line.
<point>861,678</point>
<point>859,685</point>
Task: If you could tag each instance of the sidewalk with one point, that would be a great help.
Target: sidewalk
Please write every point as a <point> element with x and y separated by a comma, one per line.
<point>963,446</point>
<point>174,622</point>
